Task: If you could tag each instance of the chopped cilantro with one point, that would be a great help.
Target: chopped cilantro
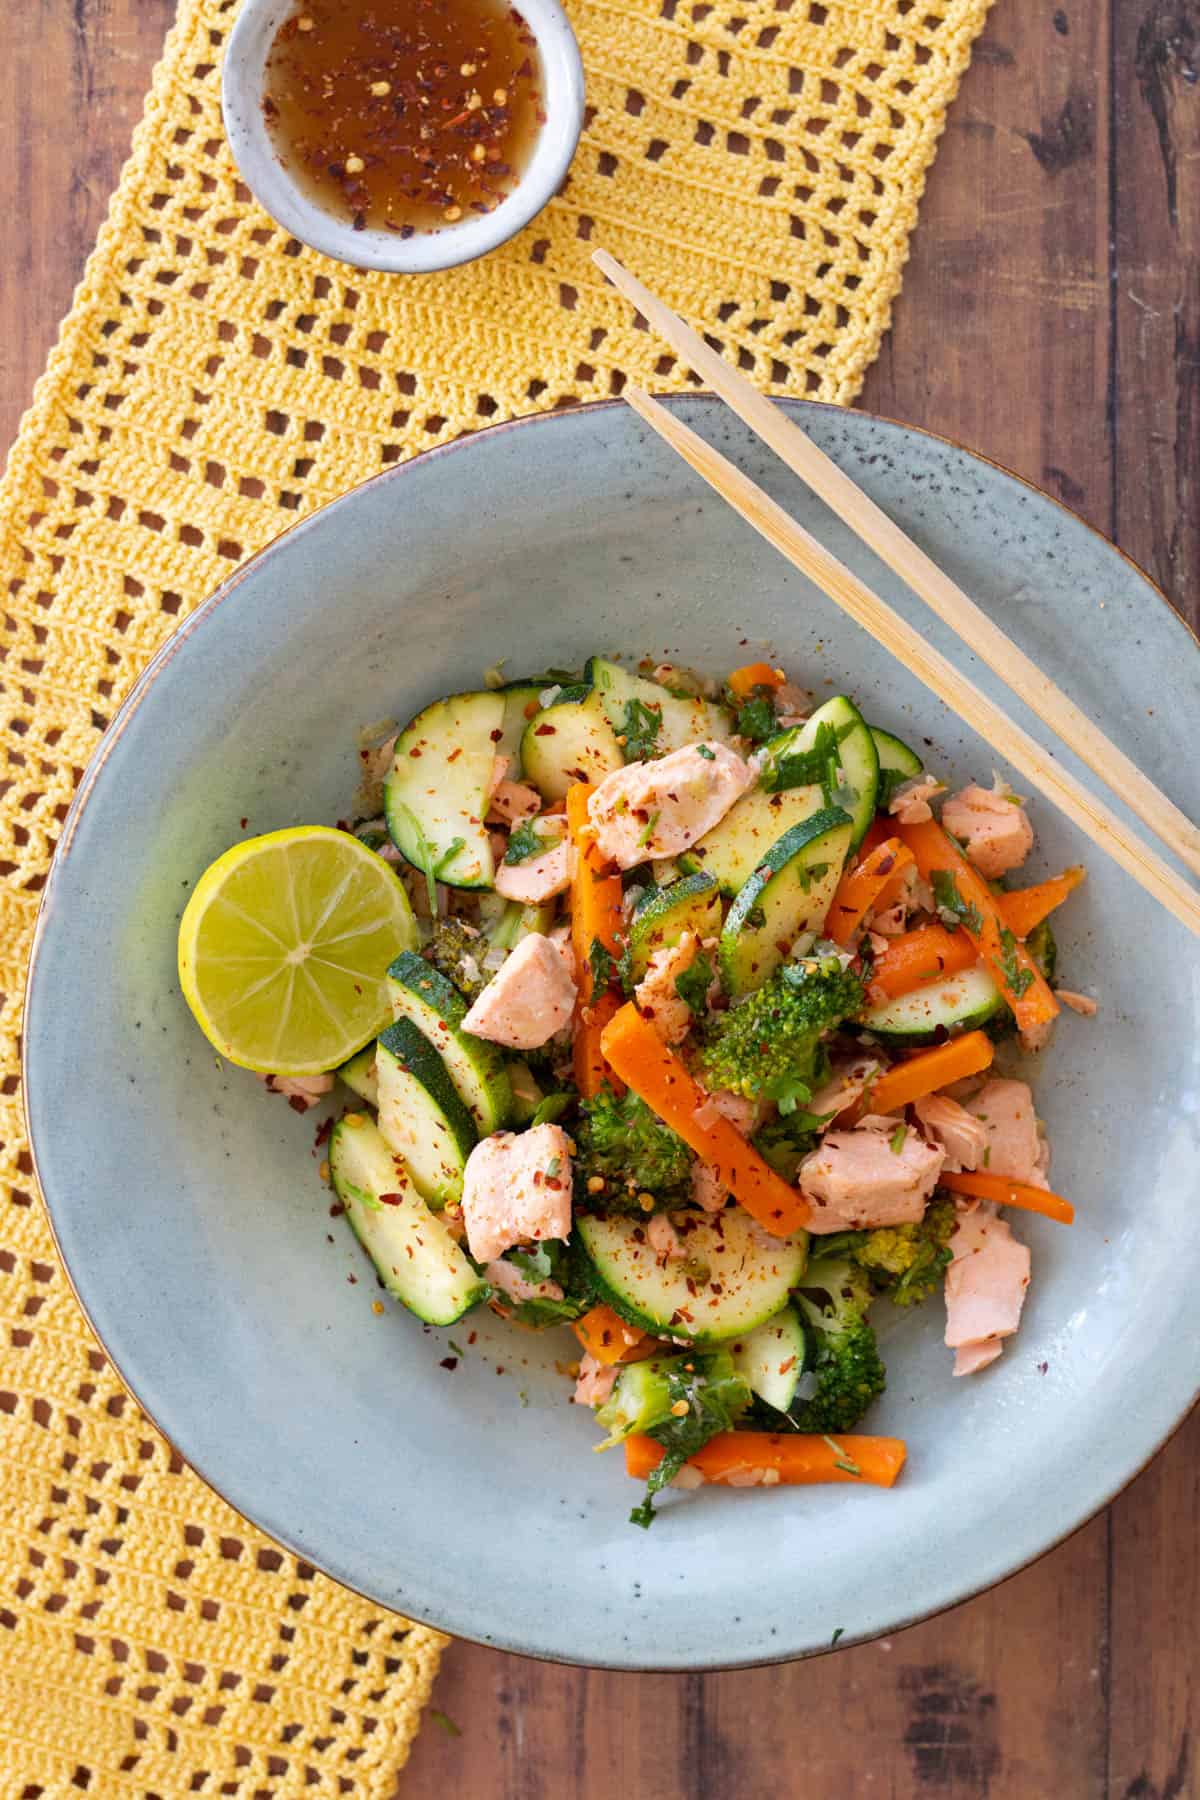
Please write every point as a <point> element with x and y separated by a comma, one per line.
<point>951,902</point>
<point>987,1156</point>
<point>820,763</point>
<point>1016,978</point>
<point>837,1634</point>
<point>554,1168</point>
<point>640,729</point>
<point>535,1265</point>
<point>457,1348</point>
<point>602,964</point>
<point>625,969</point>
<point>524,843</point>
<point>896,1141</point>
<point>551,1108</point>
<point>648,829</point>
<point>445,1722</point>
<point>704,751</point>
<point>693,985</point>
<point>756,717</point>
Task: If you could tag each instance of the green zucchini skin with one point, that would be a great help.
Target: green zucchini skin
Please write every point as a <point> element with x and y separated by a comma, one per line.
<point>567,742</point>
<point>435,794</point>
<point>957,1003</point>
<point>773,1357</point>
<point>435,1006</point>
<point>421,1114</point>
<point>749,1275</point>
<point>693,903</point>
<point>417,1259</point>
<point>788,894</point>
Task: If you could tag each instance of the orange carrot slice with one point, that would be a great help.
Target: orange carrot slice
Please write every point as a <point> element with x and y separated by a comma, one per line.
<point>633,1048</point>
<point>608,1338</point>
<point>861,886</point>
<point>928,1071</point>
<point>1012,967</point>
<point>595,918</point>
<point>916,957</point>
<point>1011,1193</point>
<point>771,1459</point>
<point>1025,908</point>
<point>743,681</point>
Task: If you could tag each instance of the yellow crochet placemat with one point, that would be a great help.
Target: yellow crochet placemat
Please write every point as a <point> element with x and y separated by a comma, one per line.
<point>760,166</point>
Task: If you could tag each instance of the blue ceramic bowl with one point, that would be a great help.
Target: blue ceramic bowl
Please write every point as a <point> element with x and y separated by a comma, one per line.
<point>186,1200</point>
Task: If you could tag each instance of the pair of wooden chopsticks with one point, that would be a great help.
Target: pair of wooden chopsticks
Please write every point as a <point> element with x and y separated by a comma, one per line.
<point>946,599</point>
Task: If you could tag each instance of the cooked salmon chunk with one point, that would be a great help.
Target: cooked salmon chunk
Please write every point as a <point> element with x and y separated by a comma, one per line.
<point>517,1190</point>
<point>992,827</point>
<point>986,1284</point>
<point>1014,1146</point>
<point>529,998</point>
<point>857,1180</point>
<point>649,810</point>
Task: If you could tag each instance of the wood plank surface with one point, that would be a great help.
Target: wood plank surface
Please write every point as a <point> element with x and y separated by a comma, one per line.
<point>1050,317</point>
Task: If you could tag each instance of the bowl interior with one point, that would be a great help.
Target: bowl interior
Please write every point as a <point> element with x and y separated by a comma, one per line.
<point>187,1202</point>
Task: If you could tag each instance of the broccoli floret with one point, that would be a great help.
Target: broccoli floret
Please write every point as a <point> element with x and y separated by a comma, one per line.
<point>455,950</point>
<point>905,1262</point>
<point>769,1044</point>
<point>622,1143</point>
<point>848,1367</point>
<point>785,1142</point>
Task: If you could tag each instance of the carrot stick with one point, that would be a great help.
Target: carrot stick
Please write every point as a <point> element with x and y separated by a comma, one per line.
<point>638,1055</point>
<point>1011,1193</point>
<point>595,918</point>
<point>861,886</point>
<point>927,1072</point>
<point>1024,908</point>
<point>770,1459</point>
<point>608,1338</point>
<point>743,681</point>
<point>878,832</point>
<point>915,957</point>
<point>1015,973</point>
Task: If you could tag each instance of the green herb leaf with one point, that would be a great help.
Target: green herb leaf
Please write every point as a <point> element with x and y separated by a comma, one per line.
<point>951,902</point>
<point>897,1139</point>
<point>787,1093</point>
<point>640,728</point>
<point>625,969</point>
<point>704,751</point>
<point>693,985</point>
<point>603,965</point>
<point>841,1460</point>
<point>648,829</point>
<point>535,1265</point>
<point>524,843</point>
<point>1017,978</point>
<point>445,1722</point>
<point>837,1634</point>
<point>551,1108</point>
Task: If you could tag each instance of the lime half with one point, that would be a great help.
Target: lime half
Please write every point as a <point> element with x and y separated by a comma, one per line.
<point>284,948</point>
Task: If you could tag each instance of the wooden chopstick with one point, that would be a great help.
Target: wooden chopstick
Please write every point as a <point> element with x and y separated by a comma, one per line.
<point>906,559</point>
<point>1038,766</point>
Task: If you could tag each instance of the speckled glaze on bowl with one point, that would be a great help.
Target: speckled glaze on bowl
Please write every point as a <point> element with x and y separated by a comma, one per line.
<point>185,1199</point>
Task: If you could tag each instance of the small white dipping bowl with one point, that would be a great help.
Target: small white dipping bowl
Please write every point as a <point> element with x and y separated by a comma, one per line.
<point>242,86</point>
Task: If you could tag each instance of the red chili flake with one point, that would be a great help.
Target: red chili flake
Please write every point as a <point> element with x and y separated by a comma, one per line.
<point>336,1210</point>
<point>353,1280</point>
<point>544,731</point>
<point>391,1199</point>
<point>496,735</point>
<point>449,1362</point>
<point>245,822</point>
<point>455,754</point>
<point>471,1336</point>
<point>322,1133</point>
<point>297,1104</point>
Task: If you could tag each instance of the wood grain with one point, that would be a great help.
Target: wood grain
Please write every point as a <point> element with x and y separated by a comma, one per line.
<point>1051,317</point>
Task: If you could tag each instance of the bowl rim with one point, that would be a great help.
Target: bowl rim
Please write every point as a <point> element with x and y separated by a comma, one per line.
<point>201,614</point>
<point>282,197</point>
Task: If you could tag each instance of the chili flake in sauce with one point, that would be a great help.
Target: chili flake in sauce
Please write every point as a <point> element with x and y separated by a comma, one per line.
<point>404,115</point>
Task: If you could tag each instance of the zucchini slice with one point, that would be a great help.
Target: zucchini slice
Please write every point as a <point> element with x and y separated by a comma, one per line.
<point>417,1259</point>
<point>521,700</point>
<point>959,1003</point>
<point>693,903</point>
<point>732,850</point>
<point>568,742</point>
<point>857,786</point>
<point>435,796</point>
<point>420,1113</point>
<point>690,720</point>
<point>437,1009</point>
<point>735,1276</point>
<point>360,1077</point>
<point>773,1357</point>
<point>789,893</point>
<point>897,764</point>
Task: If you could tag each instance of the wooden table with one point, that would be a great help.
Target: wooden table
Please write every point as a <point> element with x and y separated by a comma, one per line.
<point>1050,317</point>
